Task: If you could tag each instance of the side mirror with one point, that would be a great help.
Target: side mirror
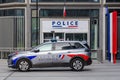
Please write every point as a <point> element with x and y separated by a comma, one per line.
<point>37,50</point>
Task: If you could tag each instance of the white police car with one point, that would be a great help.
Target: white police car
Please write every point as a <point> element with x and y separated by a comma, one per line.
<point>74,54</point>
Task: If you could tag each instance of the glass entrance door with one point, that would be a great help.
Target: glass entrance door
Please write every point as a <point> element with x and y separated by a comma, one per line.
<point>118,54</point>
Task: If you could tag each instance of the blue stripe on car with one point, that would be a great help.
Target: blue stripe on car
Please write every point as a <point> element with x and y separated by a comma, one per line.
<point>15,60</point>
<point>31,57</point>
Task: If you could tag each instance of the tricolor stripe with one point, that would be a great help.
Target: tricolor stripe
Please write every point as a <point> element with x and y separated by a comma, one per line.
<point>115,32</point>
<point>61,56</point>
<point>108,36</point>
<point>85,57</point>
<point>112,36</point>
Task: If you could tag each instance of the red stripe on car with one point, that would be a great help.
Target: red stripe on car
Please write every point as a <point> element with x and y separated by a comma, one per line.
<point>85,57</point>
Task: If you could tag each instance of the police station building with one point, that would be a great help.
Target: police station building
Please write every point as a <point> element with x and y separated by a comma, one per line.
<point>27,23</point>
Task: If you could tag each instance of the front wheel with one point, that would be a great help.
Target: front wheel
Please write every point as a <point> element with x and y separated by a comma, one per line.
<point>77,64</point>
<point>23,65</point>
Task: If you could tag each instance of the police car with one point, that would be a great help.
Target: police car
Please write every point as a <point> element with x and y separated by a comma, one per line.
<point>74,54</point>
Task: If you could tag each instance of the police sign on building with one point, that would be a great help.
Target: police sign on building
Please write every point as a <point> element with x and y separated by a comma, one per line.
<point>65,24</point>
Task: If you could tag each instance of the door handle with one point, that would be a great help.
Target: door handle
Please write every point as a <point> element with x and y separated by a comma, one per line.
<point>68,52</point>
<point>49,53</point>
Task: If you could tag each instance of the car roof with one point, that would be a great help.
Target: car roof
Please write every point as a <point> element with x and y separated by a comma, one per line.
<point>62,41</point>
<point>81,42</point>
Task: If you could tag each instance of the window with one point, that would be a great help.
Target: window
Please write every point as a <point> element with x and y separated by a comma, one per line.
<point>76,36</point>
<point>45,47</point>
<point>76,45</point>
<point>34,28</point>
<point>69,12</point>
<point>67,46</point>
<point>62,46</point>
<point>66,0</point>
<point>12,12</point>
<point>49,36</point>
<point>9,1</point>
<point>112,0</point>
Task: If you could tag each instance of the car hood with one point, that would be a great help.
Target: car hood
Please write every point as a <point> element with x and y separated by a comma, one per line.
<point>22,52</point>
<point>17,52</point>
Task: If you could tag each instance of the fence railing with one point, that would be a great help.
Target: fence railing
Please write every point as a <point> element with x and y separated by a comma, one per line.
<point>4,52</point>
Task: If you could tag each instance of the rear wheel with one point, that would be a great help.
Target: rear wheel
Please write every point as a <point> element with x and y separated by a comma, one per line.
<point>77,64</point>
<point>23,65</point>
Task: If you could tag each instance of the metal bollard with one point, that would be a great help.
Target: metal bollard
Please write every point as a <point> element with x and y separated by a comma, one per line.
<point>1,55</point>
<point>99,56</point>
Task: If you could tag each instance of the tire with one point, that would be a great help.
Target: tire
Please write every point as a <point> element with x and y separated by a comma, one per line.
<point>23,65</point>
<point>77,64</point>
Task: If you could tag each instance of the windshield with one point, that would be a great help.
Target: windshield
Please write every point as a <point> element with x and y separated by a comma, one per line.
<point>43,47</point>
<point>34,48</point>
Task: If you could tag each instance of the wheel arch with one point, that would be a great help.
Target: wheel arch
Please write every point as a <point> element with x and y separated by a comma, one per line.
<point>78,58</point>
<point>23,58</point>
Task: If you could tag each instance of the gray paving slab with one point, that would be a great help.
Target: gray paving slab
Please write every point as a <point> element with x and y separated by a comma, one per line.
<point>2,78</point>
<point>64,78</point>
<point>2,74</point>
<point>97,71</point>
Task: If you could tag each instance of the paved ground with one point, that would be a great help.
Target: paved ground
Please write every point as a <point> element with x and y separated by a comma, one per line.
<point>97,71</point>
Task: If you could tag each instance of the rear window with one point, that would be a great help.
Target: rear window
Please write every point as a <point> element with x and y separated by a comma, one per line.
<point>87,46</point>
<point>67,46</point>
<point>62,46</point>
<point>76,45</point>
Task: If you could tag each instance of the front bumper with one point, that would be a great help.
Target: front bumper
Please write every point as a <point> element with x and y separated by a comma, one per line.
<point>10,63</point>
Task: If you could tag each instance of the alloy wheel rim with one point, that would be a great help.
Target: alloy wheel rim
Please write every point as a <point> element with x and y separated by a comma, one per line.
<point>23,65</point>
<point>77,65</point>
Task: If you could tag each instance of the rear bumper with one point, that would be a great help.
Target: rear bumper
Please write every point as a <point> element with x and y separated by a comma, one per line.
<point>88,62</point>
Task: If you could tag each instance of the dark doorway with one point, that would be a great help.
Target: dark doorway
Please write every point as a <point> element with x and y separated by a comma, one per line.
<point>118,54</point>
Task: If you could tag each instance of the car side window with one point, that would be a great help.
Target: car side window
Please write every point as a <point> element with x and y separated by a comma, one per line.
<point>45,47</point>
<point>76,45</point>
<point>62,46</point>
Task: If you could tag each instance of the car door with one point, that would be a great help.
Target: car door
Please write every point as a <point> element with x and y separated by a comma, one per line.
<point>60,52</point>
<point>44,57</point>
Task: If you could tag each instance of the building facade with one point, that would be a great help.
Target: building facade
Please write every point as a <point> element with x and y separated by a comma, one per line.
<point>27,23</point>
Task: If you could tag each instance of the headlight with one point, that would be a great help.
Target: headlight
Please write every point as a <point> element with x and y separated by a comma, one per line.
<point>12,54</point>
